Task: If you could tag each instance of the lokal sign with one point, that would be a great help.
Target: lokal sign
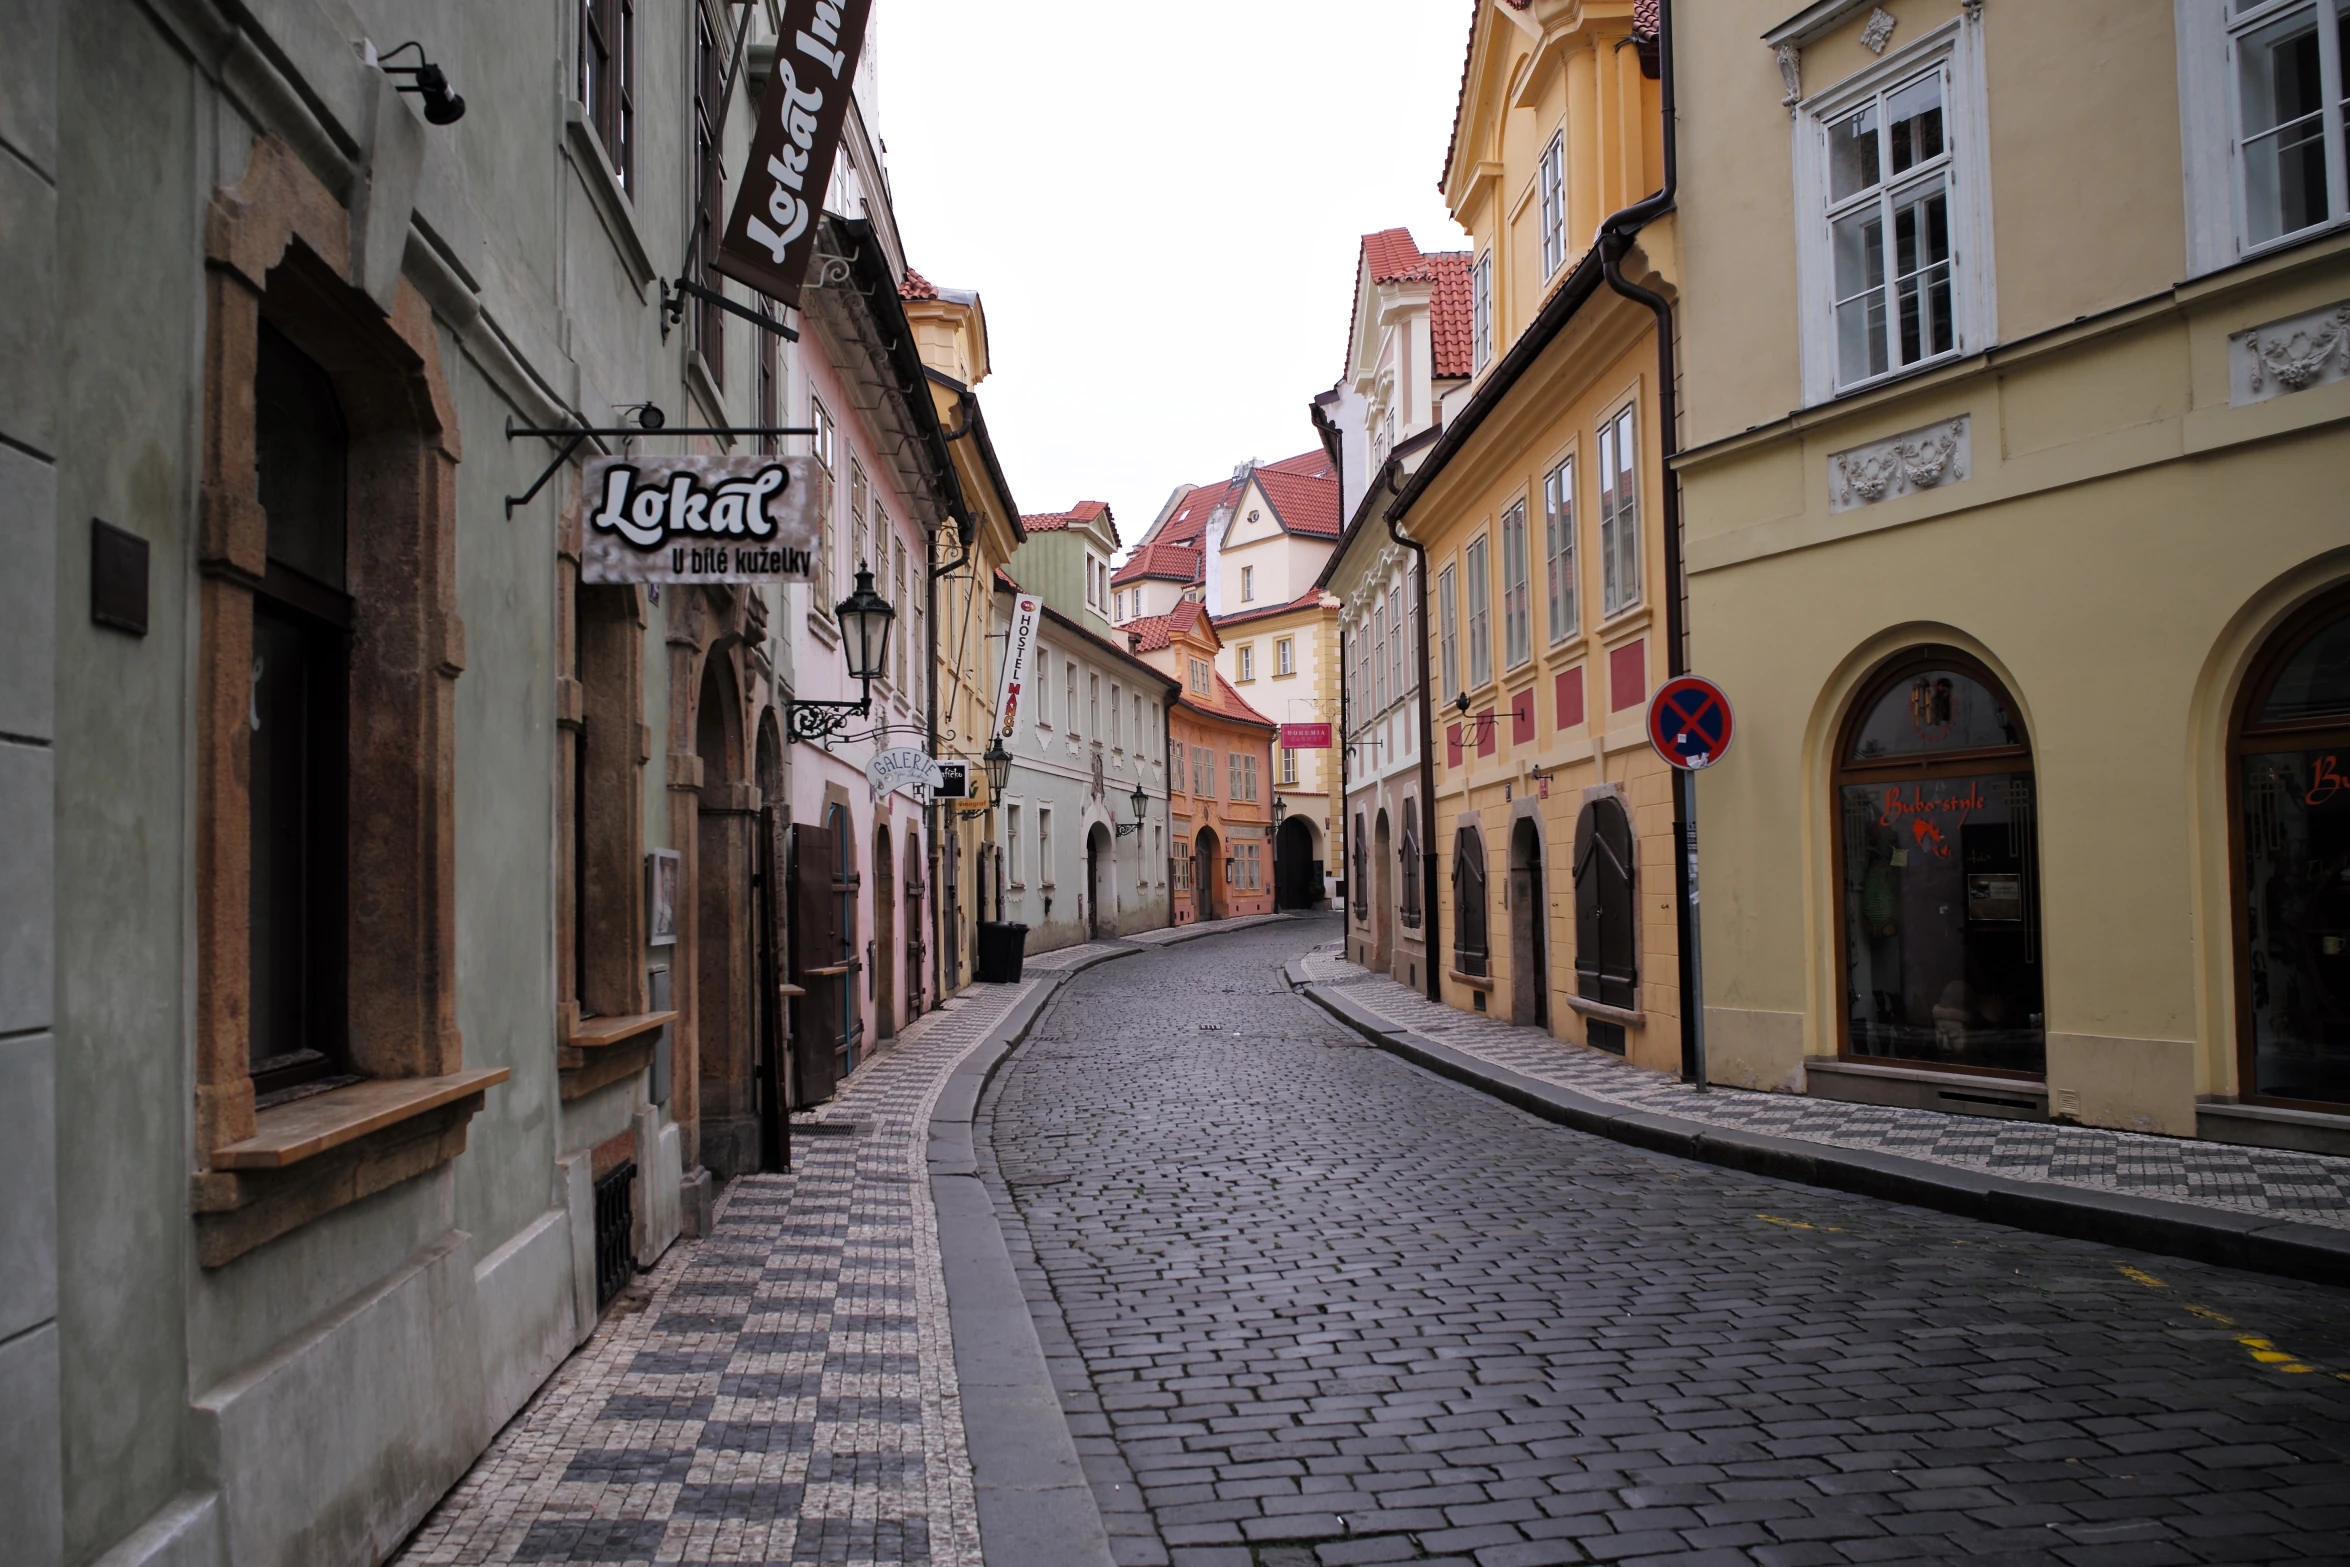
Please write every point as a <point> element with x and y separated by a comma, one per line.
<point>772,229</point>
<point>907,767</point>
<point>1019,652</point>
<point>1689,722</point>
<point>1305,737</point>
<point>698,519</point>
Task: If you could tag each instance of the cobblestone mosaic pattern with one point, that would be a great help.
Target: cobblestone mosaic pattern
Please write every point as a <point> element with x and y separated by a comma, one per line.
<point>2275,1183</point>
<point>1330,1309</point>
<point>781,1393</point>
<point>1168,934</point>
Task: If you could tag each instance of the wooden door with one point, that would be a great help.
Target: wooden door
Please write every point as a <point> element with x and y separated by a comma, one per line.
<point>818,963</point>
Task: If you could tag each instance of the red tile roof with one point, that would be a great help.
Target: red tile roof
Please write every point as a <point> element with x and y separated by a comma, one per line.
<point>1226,703</point>
<point>1304,493</point>
<point>1189,519</point>
<point>1450,333</point>
<point>1082,512</point>
<point>1154,632</point>
<point>1306,600</point>
<point>916,286</point>
<point>1163,562</point>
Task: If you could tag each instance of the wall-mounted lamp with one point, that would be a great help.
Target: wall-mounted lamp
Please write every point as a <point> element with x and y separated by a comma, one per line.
<point>429,82</point>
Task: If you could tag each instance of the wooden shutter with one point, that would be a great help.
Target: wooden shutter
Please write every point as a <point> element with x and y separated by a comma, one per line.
<point>815,944</point>
<point>1607,937</point>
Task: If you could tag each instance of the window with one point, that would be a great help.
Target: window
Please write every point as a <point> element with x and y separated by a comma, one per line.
<point>1069,696</point>
<point>1093,706</point>
<point>1378,656</point>
<point>1558,530</point>
<point>1619,516</point>
<point>1517,603</point>
<point>2289,105</point>
<point>1200,670</point>
<point>1552,176</point>
<point>1395,642</point>
<point>897,577</point>
<point>1203,771</point>
<point>709,192</point>
<point>1285,656</point>
<point>297,790</point>
<point>1409,871</point>
<point>607,79</point>
<point>1481,309</point>
<point>1012,844</point>
<point>1288,764</point>
<point>1232,760</point>
<point>1248,868</point>
<point>767,394</point>
<point>1448,619</point>
<point>1117,720</point>
<point>1248,584</point>
<point>860,547</point>
<point>2292,741</point>
<point>1245,659</point>
<point>1889,218</point>
<point>1607,935</point>
<point>1480,613</point>
<point>1470,948</point>
<point>820,446</point>
<point>1044,846</point>
<point>1938,871</point>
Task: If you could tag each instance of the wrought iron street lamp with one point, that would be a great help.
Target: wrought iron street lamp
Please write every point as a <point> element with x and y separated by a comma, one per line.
<point>999,768</point>
<point>865,618</point>
<point>1280,809</point>
<point>1141,801</point>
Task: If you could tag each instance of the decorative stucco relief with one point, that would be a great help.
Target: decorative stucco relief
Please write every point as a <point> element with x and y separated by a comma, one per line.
<point>1879,30</point>
<point>2292,355</point>
<point>1923,459</point>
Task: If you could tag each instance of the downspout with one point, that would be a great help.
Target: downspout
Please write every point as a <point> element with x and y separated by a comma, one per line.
<point>1167,764</point>
<point>1615,238</point>
<point>1346,858</point>
<point>938,986</point>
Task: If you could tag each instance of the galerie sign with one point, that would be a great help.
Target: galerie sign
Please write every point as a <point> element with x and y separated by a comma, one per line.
<point>907,767</point>
<point>1019,653</point>
<point>699,519</point>
<point>772,228</point>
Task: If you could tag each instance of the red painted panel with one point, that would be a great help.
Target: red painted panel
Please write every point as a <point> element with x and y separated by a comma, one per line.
<point>1522,718</point>
<point>1627,676</point>
<point>1452,745</point>
<point>1570,699</point>
<point>1487,738</point>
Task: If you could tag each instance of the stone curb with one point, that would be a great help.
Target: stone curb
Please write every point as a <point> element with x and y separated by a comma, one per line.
<point>2281,1246</point>
<point>1035,1503</point>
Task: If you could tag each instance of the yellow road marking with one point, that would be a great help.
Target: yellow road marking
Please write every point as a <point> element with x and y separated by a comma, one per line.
<point>1798,1224</point>
<point>2263,1350</point>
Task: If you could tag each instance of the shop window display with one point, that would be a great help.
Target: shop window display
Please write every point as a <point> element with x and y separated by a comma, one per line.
<point>2292,782</point>
<point>1939,866</point>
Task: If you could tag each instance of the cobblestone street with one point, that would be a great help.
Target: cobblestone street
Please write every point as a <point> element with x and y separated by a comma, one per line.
<point>1310,1306</point>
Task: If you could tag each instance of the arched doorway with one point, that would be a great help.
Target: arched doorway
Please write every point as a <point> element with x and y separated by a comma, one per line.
<point>2290,773</point>
<point>770,934</point>
<point>1208,875</point>
<point>911,863</point>
<point>1101,893</point>
<point>1381,892</point>
<point>851,1015</point>
<point>1472,950</point>
<point>1938,871</point>
<point>885,934</point>
<point>1297,875</point>
<point>724,1000</point>
<point>1529,917</point>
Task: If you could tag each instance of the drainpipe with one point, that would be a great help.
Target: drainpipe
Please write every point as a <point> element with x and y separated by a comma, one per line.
<point>1167,760</point>
<point>1346,832</point>
<point>1431,931</point>
<point>1615,238</point>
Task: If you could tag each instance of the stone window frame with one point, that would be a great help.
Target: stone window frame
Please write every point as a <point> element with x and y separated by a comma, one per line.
<point>278,244</point>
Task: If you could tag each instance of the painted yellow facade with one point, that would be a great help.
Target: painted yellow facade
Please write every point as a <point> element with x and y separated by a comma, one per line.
<point>1559,127</point>
<point>2091,488</point>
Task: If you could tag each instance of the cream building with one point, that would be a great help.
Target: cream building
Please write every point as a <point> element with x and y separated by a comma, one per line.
<point>2036,607</point>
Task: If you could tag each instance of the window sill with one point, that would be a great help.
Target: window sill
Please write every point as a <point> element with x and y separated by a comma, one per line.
<point>309,1127</point>
<point>1482,982</point>
<point>1627,1016</point>
<point>597,1033</point>
<point>605,192</point>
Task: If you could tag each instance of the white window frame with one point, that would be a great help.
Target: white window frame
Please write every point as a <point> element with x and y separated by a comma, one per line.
<point>1289,764</point>
<point>1620,586</point>
<point>1395,643</point>
<point>1517,588</point>
<point>1448,619</point>
<point>1477,567</point>
<point>1481,309</point>
<point>1285,656</point>
<point>1558,539</point>
<point>1245,660</point>
<point>1551,178</point>
<point>1956,47</point>
<point>2211,129</point>
<point>1248,584</point>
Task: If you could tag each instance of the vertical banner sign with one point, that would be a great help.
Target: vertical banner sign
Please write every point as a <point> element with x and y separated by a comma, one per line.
<point>698,519</point>
<point>1019,653</point>
<point>772,228</point>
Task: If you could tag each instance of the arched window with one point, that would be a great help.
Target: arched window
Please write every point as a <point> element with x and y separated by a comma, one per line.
<point>1607,931</point>
<point>1471,945</point>
<point>2291,776</point>
<point>1408,899</point>
<point>1359,883</point>
<point>1938,866</point>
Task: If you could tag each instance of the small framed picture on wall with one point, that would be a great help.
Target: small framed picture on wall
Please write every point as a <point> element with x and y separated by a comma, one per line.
<point>664,872</point>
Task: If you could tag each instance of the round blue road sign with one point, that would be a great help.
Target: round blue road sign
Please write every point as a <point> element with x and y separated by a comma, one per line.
<point>1689,722</point>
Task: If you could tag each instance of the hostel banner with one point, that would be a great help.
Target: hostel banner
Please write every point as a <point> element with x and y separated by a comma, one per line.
<point>1019,653</point>
<point>772,228</point>
<point>698,519</point>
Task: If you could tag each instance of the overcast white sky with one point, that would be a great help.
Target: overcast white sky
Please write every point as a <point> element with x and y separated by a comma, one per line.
<point>1160,207</point>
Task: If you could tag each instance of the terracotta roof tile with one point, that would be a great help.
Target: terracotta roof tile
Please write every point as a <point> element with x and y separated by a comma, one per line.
<point>1154,632</point>
<point>1304,493</point>
<point>1083,511</point>
<point>1159,562</point>
<point>916,286</point>
<point>1449,330</point>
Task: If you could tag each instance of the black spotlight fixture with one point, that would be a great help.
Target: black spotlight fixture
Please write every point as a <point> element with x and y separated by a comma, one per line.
<point>429,82</point>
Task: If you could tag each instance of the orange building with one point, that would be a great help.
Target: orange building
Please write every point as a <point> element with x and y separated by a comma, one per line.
<point>1219,773</point>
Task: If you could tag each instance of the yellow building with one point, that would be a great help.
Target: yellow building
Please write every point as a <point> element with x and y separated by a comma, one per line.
<point>2036,609</point>
<point>958,601</point>
<point>1544,581</point>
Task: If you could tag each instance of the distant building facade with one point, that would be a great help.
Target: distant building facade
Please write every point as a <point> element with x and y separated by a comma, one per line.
<point>1220,759</point>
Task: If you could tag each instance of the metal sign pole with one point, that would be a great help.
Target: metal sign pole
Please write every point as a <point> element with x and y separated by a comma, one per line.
<point>1686,782</point>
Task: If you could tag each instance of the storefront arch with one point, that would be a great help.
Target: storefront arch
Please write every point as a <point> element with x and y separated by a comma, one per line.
<point>1297,868</point>
<point>1382,894</point>
<point>2289,792</point>
<point>1936,870</point>
<point>885,933</point>
<point>1529,904</point>
<point>1101,874</point>
<point>1208,895</point>
<point>1472,951</point>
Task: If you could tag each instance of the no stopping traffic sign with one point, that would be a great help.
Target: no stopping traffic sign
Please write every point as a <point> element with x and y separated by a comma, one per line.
<point>1689,722</point>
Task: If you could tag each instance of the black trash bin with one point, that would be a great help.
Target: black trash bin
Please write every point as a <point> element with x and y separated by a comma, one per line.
<point>1002,949</point>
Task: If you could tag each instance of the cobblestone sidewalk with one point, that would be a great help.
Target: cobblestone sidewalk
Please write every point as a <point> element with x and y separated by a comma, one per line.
<point>1167,933</point>
<point>783,1392</point>
<point>2273,1183</point>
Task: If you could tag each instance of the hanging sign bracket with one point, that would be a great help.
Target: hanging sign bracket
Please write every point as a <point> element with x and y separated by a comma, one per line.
<point>572,438</point>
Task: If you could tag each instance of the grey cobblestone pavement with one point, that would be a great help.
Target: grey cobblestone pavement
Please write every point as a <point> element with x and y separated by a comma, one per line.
<point>1170,934</point>
<point>2266,1181</point>
<point>782,1392</point>
<point>1310,1306</point>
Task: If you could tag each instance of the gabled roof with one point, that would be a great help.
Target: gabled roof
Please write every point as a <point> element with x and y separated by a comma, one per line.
<point>916,286</point>
<point>1076,516</point>
<point>1159,562</point>
<point>1224,703</point>
<point>1153,633</point>
<point>1187,519</point>
<point>1393,256</point>
<point>1306,600</point>
<point>1303,492</point>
